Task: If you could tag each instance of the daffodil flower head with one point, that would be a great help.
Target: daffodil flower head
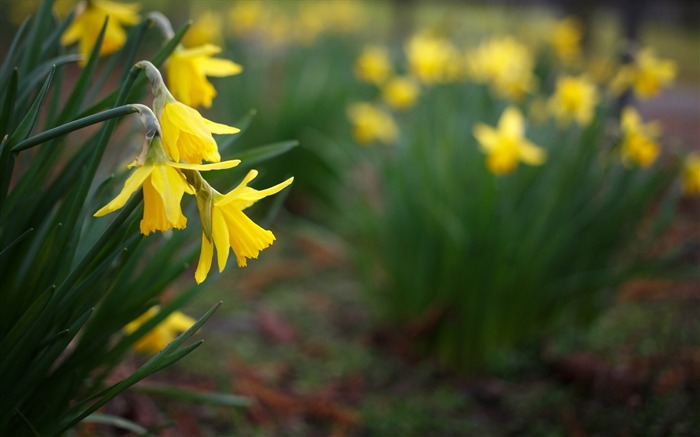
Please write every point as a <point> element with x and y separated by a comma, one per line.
<point>566,40</point>
<point>371,123</point>
<point>206,29</point>
<point>162,182</point>
<point>690,177</point>
<point>506,65</point>
<point>507,145</point>
<point>646,76</point>
<point>431,58</point>
<point>639,145</point>
<point>88,22</point>
<point>187,135</point>
<point>166,331</point>
<point>574,99</point>
<point>187,71</point>
<point>373,65</point>
<point>400,92</point>
<point>232,229</point>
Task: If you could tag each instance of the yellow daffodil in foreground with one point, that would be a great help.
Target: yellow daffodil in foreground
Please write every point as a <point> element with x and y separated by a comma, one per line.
<point>507,145</point>
<point>187,72</point>
<point>373,65</point>
<point>506,65</point>
<point>187,135</point>
<point>163,187</point>
<point>89,19</point>
<point>566,40</point>
<point>575,98</point>
<point>638,139</point>
<point>647,75</point>
<point>690,179</point>
<point>400,92</point>
<point>232,229</point>
<point>371,123</point>
<point>166,331</point>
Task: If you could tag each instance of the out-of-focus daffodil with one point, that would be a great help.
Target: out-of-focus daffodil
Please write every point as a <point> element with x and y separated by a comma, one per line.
<point>646,76</point>
<point>566,41</point>
<point>373,65</point>
<point>163,187</point>
<point>506,65</point>
<point>400,92</point>
<point>187,71</point>
<point>639,144</point>
<point>431,59</point>
<point>89,19</point>
<point>245,16</point>
<point>166,331</point>
<point>506,145</point>
<point>575,98</point>
<point>206,29</point>
<point>232,229</point>
<point>690,178</point>
<point>371,123</point>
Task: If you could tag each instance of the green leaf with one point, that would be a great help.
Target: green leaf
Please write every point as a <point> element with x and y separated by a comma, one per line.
<point>40,23</point>
<point>263,153</point>
<point>8,61</point>
<point>9,105</point>
<point>200,397</point>
<point>117,422</point>
<point>27,124</point>
<point>31,80</point>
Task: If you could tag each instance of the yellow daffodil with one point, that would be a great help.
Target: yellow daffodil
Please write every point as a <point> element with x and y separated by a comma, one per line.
<point>89,19</point>
<point>371,123</point>
<point>232,229</point>
<point>400,92</point>
<point>187,135</point>
<point>507,145</point>
<point>245,16</point>
<point>638,139</point>
<point>432,59</point>
<point>575,98</point>
<point>206,29</point>
<point>187,71</point>
<point>690,178</point>
<point>166,331</point>
<point>163,187</point>
<point>647,75</point>
<point>566,41</point>
<point>506,65</point>
<point>373,65</point>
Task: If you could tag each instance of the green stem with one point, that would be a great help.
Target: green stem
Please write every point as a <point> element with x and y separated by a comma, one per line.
<point>74,125</point>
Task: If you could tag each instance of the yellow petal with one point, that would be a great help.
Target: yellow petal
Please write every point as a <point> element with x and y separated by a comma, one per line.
<point>131,184</point>
<point>205,257</point>
<point>531,154</point>
<point>220,234</point>
<point>486,136</point>
<point>219,128</point>
<point>203,167</point>
<point>511,123</point>
<point>248,196</point>
<point>203,50</point>
<point>219,67</point>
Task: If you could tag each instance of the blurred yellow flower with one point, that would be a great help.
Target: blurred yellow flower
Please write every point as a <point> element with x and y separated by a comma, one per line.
<point>431,59</point>
<point>690,178</point>
<point>566,41</point>
<point>647,75</point>
<point>370,123</point>
<point>506,65</point>
<point>507,145</point>
<point>575,98</point>
<point>166,331</point>
<point>163,187</point>
<point>373,65</point>
<point>21,10</point>
<point>638,139</point>
<point>245,16</point>
<point>187,136</point>
<point>206,29</point>
<point>400,92</point>
<point>187,71</point>
<point>232,229</point>
<point>89,19</point>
